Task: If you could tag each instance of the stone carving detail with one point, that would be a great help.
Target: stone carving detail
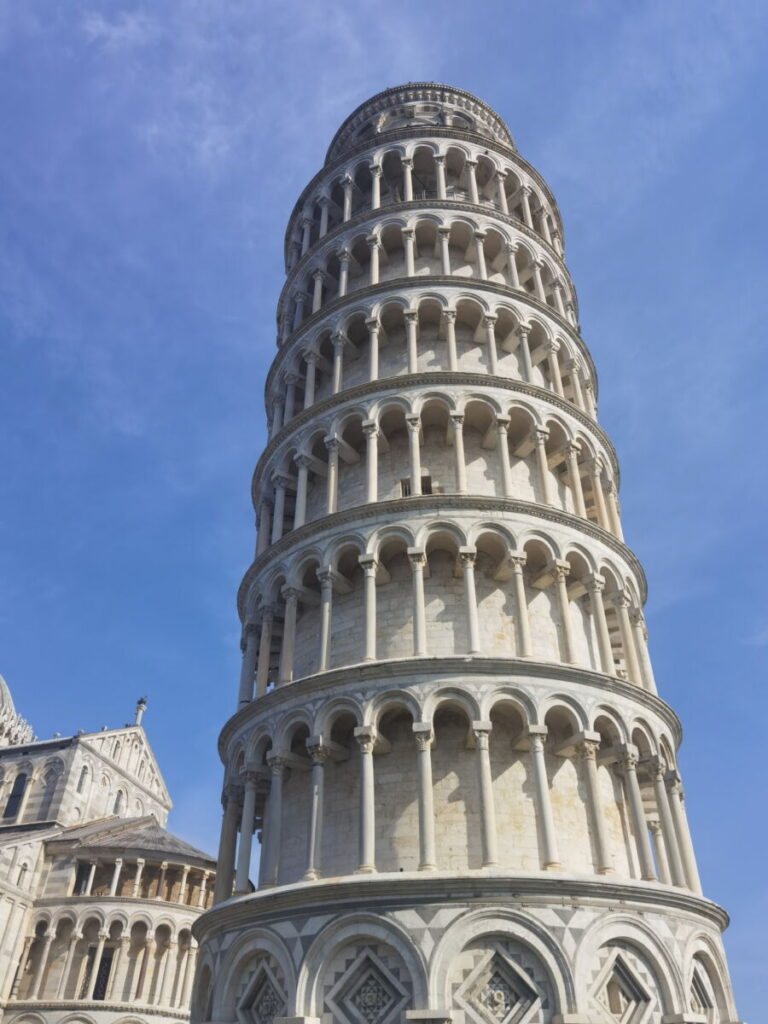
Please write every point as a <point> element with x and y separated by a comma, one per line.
<point>367,992</point>
<point>263,997</point>
<point>501,983</point>
<point>625,990</point>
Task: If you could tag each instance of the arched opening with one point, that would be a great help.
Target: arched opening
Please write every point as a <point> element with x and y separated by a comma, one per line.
<point>348,618</point>
<point>566,789</point>
<point>341,798</point>
<point>481,446</point>
<point>497,610</point>
<point>455,786</point>
<point>513,792</point>
<point>18,789</point>
<point>395,779</point>
<point>543,611</point>
<point>297,795</point>
<point>394,600</point>
<point>521,442</point>
<point>446,609</point>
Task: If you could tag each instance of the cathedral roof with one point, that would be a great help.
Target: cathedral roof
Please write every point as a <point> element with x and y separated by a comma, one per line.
<point>134,835</point>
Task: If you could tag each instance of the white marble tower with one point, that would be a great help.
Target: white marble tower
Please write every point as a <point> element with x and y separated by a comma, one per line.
<point>448,734</point>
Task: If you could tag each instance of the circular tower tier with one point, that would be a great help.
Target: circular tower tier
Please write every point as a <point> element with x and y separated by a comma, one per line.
<point>448,738</point>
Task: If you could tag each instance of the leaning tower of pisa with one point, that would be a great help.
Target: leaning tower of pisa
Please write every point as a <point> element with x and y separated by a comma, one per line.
<point>448,740</point>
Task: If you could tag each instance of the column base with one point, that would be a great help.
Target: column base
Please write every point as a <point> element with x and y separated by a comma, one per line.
<point>427,867</point>
<point>606,871</point>
<point>365,869</point>
<point>553,865</point>
<point>310,876</point>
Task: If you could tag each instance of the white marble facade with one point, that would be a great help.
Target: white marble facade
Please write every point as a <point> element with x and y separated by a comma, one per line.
<point>448,738</point>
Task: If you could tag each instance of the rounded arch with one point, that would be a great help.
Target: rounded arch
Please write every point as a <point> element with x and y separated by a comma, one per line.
<point>238,957</point>
<point>391,700</point>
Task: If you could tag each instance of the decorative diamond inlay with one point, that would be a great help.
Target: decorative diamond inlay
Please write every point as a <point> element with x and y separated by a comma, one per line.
<point>263,999</point>
<point>622,995</point>
<point>367,993</point>
<point>498,992</point>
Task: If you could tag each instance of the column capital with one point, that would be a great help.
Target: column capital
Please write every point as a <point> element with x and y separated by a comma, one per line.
<point>440,158</point>
<point>409,232</point>
<point>332,443</point>
<point>119,860</point>
<point>370,428</point>
<point>140,862</point>
<point>250,629</point>
<point>417,557</point>
<point>375,169</point>
<point>500,175</point>
<point>539,435</point>
<point>489,319</point>
<point>627,760</point>
<point>373,324</point>
<point>587,750</point>
<point>278,763</point>
<point>655,767</point>
<point>339,340</point>
<point>517,559</point>
<point>559,569</point>
<point>319,753</point>
<point>467,557</point>
<point>526,190</point>
<point>280,480</point>
<point>326,575</point>
<point>413,420</point>
<point>552,345</point>
<point>481,732</point>
<point>480,236</point>
<point>411,316</point>
<point>303,461</point>
<point>449,315</point>
<point>368,563</point>
<point>673,782</point>
<point>373,241</point>
<point>502,422</point>
<point>424,735</point>
<point>457,419</point>
<point>594,582</point>
<point>442,230</point>
<point>366,737</point>
<point>291,593</point>
<point>511,247</point>
<point>407,161</point>
<point>347,180</point>
<point>343,255</point>
<point>572,448</point>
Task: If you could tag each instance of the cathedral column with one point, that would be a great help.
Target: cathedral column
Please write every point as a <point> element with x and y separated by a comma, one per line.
<point>311,359</point>
<point>137,880</point>
<point>407,165</point>
<point>641,639</point>
<point>373,244</point>
<point>595,469</point>
<point>411,326</point>
<point>344,258</point>
<point>226,858</point>
<point>482,269</point>
<point>116,876</point>
<point>444,238</point>
<point>189,976</point>
<point>502,447</point>
<point>42,963</point>
<point>291,595</point>
<point>613,511</point>
<point>265,513</point>
<point>667,839</point>
<point>91,874</point>
<point>247,825</point>
<point>74,938</point>
<point>587,751</point>
<point>265,650</point>
<point>300,511</point>
<point>552,348</point>
<point>575,373</point>
<point>332,480</point>
<point>621,604</point>
<point>119,970</point>
<point>440,175</point>
<point>370,566</point>
<point>367,816</point>
<point>324,204</point>
<point>595,585</point>
<point>559,304</point>
<point>500,177</point>
<point>183,884</point>
<point>278,514</point>
<point>317,298</point>
<point>409,252</point>
<point>572,451</point>
<point>684,844</point>
<point>449,318</point>
<point>169,973</point>
<point>510,248</point>
<point>418,560</point>
<point>550,859</point>
<point>325,576</point>
<point>306,234</point>
<point>339,342</point>
<point>373,326</point>
<point>539,438</point>
<point>95,968</point>
<point>517,560</point>
<point>371,431</point>
<point>202,893</point>
<point>481,731</point>
<point>628,770</point>
<point>414,429</point>
<point>560,571</point>
<point>467,559</point>
<point>278,766</point>
<point>319,755</point>
<point>489,322</point>
<point>525,353</point>
<point>424,739</point>
<point>525,193</point>
<point>471,166</point>
<point>248,665</point>
<point>457,422</point>
<point>347,184</point>
<point>375,186</point>
<point>660,851</point>
<point>161,880</point>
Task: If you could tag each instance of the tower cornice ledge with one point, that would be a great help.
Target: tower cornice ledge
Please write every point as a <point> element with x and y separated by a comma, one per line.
<point>459,668</point>
<point>438,503</point>
<point>402,889</point>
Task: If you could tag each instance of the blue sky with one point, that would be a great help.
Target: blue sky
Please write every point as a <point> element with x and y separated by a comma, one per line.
<point>151,155</point>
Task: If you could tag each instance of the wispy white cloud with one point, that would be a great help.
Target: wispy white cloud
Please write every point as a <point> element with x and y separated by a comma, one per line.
<point>125,30</point>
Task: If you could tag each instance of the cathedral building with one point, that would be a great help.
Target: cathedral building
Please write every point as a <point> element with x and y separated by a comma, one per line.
<point>448,738</point>
<point>97,899</point>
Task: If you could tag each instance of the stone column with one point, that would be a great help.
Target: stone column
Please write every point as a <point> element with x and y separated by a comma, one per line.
<point>407,163</point>
<point>42,963</point>
<point>119,970</point>
<point>525,353</point>
<point>265,515</point>
<point>572,451</point>
<point>248,664</point>
<point>414,428</point>
<point>517,560</point>
<point>444,238</point>
<point>326,577</point>
<point>440,174</point>
<point>559,304</point>
<point>467,558</point>
<point>411,327</point>
<point>291,596</point>
<point>265,650</point>
<point>95,969</point>
<point>409,252</point>
<point>657,842</point>
<point>613,510</point>
<point>595,585</point>
<point>202,893</point>
<point>91,873</point>
<point>540,436</point>
<point>595,468</point>
<point>367,820</point>
<point>471,166</point>
<point>628,770</point>
<point>578,396</point>
<point>300,511</point>
<point>74,938</point>
<point>317,294</point>
<point>338,341</point>
<point>501,177</point>
<point>319,755</point>
<point>373,244</point>
<point>183,885</point>
<point>525,198</point>
<point>278,766</point>
<point>549,855</point>
<point>666,841</point>
<point>332,480</point>
<point>324,203</point>
<point>137,880</point>
<point>375,186</point>
<point>489,322</point>
<point>514,278</point>
<point>189,977</point>
<point>347,184</point>
<point>482,270</point>
<point>621,603</point>
<point>418,560</point>
<point>344,258</point>
<point>553,348</point>
<point>641,640</point>
<point>481,732</point>
<point>298,316</point>
<point>141,978</point>
<point>161,880</point>
<point>311,359</point>
<point>306,233</point>
<point>22,965</point>
<point>502,447</point>
<point>684,844</point>
<point>449,317</point>
<point>369,566</point>
<point>457,422</point>
<point>247,824</point>
<point>169,973</point>
<point>373,326</point>
<point>586,751</point>
<point>544,225</point>
<point>560,571</point>
<point>280,484</point>
<point>116,876</point>
<point>424,739</point>
<point>371,431</point>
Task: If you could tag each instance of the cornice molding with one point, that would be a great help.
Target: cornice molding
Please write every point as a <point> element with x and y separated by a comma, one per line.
<point>76,1007</point>
<point>440,504</point>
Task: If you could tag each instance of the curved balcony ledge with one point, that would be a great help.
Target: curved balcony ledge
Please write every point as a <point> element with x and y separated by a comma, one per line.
<point>115,901</point>
<point>441,504</point>
<point>408,889</point>
<point>432,379</point>
<point>459,667</point>
<point>68,1006</point>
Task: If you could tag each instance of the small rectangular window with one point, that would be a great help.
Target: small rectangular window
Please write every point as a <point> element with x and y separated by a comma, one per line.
<point>405,486</point>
